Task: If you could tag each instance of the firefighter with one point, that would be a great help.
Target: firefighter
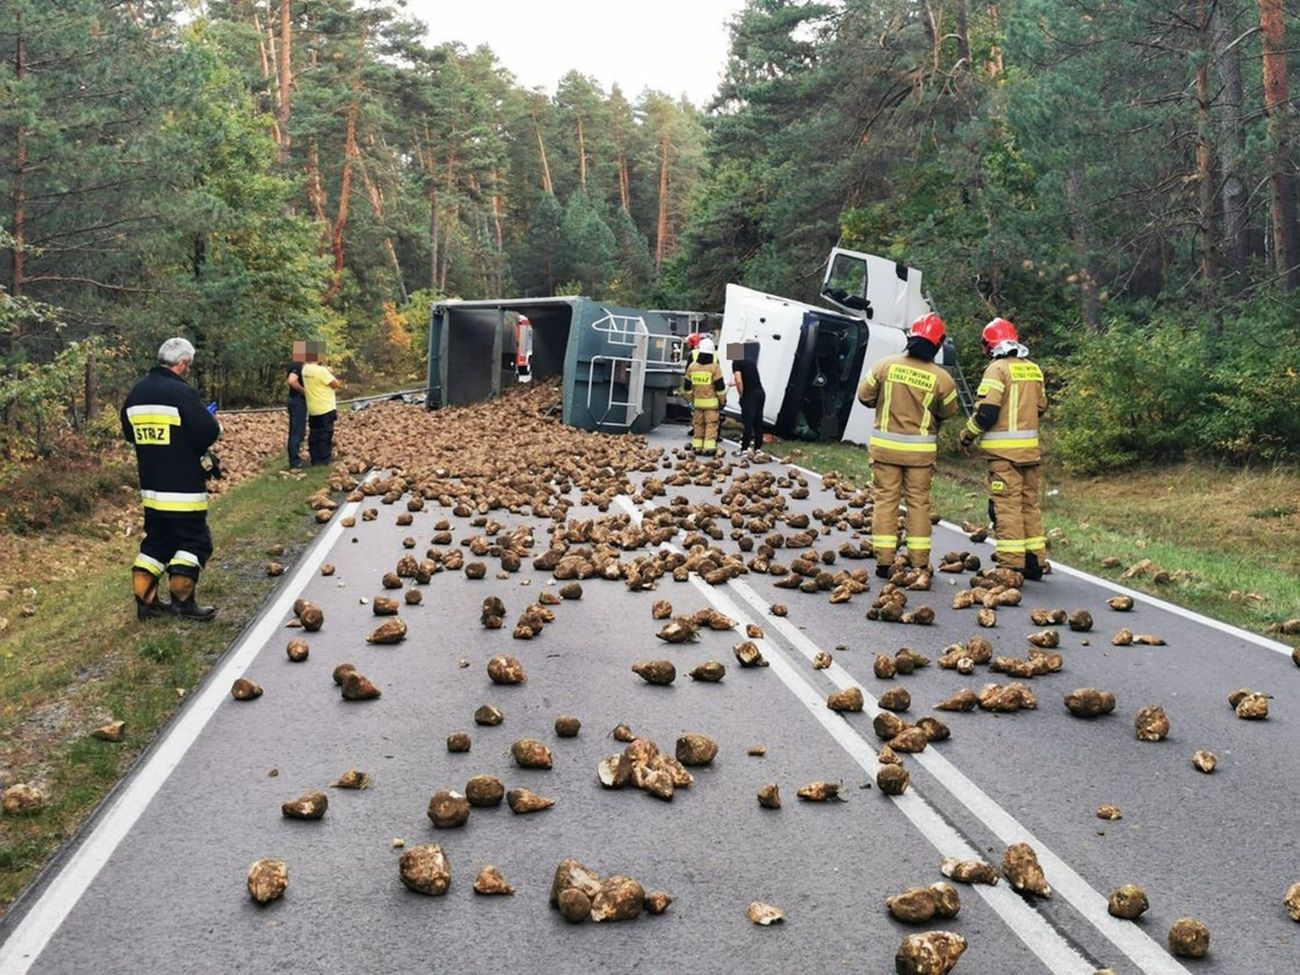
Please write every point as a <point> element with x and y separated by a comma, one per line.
<point>702,384</point>
<point>1009,402</point>
<point>172,432</point>
<point>910,395</point>
<point>692,345</point>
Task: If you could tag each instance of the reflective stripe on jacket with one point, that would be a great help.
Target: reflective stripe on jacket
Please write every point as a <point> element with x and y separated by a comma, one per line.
<point>1014,387</point>
<point>702,383</point>
<point>170,428</point>
<point>910,397</point>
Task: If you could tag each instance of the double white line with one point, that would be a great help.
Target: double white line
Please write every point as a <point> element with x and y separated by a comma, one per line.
<point>1050,945</point>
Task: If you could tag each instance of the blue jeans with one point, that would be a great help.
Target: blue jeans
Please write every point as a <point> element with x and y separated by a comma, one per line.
<point>297,428</point>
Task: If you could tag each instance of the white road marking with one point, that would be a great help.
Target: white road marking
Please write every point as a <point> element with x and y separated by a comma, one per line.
<point>1052,949</point>
<point>1144,952</point>
<point>25,944</point>
<point>1187,614</point>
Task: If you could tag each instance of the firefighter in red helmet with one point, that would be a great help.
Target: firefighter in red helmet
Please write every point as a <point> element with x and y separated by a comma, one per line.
<point>1009,402</point>
<point>911,396</point>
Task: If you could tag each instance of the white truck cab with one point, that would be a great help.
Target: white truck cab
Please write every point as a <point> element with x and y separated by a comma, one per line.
<point>810,359</point>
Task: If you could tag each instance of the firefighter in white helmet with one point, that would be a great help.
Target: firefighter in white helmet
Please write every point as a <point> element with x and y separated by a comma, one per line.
<point>702,384</point>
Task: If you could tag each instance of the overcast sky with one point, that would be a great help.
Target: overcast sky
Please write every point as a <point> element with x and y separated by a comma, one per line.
<point>675,46</point>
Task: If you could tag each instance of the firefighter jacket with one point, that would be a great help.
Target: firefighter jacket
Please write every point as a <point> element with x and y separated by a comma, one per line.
<point>1008,403</point>
<point>703,382</point>
<point>910,397</point>
<point>170,428</point>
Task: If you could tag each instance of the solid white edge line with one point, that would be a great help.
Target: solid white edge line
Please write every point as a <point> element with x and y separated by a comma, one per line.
<point>1046,943</point>
<point>24,945</point>
<point>1156,601</point>
<point>1139,947</point>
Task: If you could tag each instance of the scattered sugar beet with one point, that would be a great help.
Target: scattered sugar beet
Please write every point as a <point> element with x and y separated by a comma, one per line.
<point>660,672</point>
<point>448,809</point>
<point>931,953</point>
<point>1189,938</point>
<point>531,753</point>
<point>268,879</point>
<point>484,791</point>
<point>425,870</point>
<point>567,726</point>
<point>309,805</point>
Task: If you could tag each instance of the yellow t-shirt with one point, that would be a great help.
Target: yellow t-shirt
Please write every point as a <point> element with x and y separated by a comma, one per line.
<point>316,381</point>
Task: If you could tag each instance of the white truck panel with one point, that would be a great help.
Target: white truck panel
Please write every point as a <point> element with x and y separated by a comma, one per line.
<point>773,322</point>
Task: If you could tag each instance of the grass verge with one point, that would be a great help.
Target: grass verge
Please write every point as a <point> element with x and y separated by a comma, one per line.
<point>82,659</point>
<point>1227,536</point>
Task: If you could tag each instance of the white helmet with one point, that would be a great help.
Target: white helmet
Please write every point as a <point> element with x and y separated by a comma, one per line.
<point>706,346</point>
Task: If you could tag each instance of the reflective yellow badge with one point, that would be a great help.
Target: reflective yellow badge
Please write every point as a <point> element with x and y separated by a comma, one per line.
<point>152,434</point>
<point>996,486</point>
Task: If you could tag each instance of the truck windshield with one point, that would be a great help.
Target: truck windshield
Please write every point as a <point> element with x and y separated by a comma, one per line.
<point>846,283</point>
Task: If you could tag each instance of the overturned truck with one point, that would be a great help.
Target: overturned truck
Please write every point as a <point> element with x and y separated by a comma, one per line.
<point>618,365</point>
<point>621,366</point>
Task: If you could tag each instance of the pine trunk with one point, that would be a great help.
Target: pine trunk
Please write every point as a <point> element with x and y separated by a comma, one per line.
<point>624,183</point>
<point>18,264</point>
<point>661,228</point>
<point>1286,236</point>
<point>1232,149</point>
<point>582,156</point>
<point>316,187</point>
<point>1206,194</point>
<point>994,64</point>
<point>541,148</point>
<point>963,33</point>
<point>1082,235</point>
<point>345,191</point>
<point>497,215</point>
<point>286,78</point>
<point>261,49</point>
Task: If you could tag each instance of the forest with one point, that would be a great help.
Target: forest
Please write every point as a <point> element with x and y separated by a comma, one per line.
<point>1119,177</point>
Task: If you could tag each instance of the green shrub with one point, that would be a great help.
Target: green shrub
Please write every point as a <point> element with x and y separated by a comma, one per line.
<point>1172,388</point>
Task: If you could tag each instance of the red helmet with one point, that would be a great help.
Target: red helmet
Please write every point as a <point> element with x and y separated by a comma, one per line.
<point>693,340</point>
<point>997,331</point>
<point>929,327</point>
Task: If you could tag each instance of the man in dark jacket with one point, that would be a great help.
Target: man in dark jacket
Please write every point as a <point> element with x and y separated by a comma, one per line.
<point>172,431</point>
<point>297,404</point>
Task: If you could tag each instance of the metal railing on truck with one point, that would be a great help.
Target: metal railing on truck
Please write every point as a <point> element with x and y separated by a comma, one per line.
<point>628,331</point>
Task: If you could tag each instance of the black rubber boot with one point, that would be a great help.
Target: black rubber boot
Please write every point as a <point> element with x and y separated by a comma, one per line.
<point>1033,569</point>
<point>884,570</point>
<point>145,584</point>
<point>191,610</point>
<point>183,603</point>
<point>149,610</point>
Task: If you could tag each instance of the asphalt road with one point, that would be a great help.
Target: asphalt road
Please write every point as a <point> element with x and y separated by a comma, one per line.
<point>158,884</point>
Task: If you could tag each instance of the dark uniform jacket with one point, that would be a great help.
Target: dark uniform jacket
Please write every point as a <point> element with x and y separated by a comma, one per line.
<point>165,419</point>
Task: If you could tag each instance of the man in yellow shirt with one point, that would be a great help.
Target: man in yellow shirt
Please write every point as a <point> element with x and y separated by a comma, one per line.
<point>318,384</point>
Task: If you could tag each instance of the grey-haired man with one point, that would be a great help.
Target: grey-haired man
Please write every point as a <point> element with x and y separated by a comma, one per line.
<point>172,431</point>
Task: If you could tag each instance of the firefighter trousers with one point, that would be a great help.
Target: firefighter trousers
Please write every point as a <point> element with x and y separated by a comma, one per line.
<point>179,545</point>
<point>1015,505</point>
<point>705,429</point>
<point>892,483</point>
